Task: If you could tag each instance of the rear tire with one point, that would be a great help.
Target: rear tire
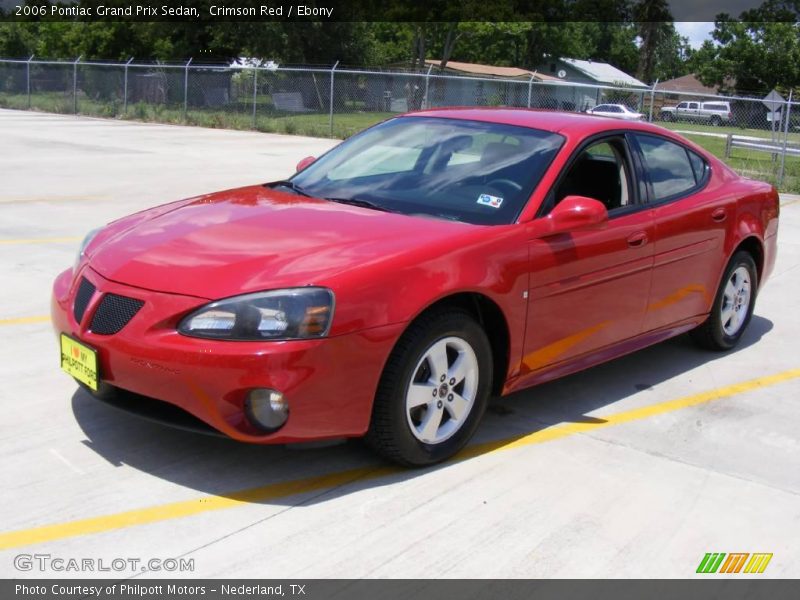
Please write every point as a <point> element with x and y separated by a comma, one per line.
<point>733,305</point>
<point>716,121</point>
<point>433,391</point>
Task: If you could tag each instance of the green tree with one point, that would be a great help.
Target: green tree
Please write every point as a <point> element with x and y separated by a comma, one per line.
<point>16,41</point>
<point>673,56</point>
<point>655,28</point>
<point>351,43</point>
<point>757,52</point>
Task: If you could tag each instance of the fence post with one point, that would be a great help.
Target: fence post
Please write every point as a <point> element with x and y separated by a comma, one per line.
<point>652,100</point>
<point>255,93</point>
<point>330,119</point>
<point>28,65</point>
<point>125,90</point>
<point>75,84</point>
<point>427,87</point>
<point>186,88</point>
<point>530,88</point>
<point>728,145</point>
<point>785,137</point>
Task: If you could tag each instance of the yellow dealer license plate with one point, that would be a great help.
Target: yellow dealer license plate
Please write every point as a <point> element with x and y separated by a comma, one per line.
<point>79,360</point>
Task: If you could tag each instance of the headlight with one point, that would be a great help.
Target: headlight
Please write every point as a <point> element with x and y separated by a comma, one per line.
<point>295,313</point>
<point>86,241</point>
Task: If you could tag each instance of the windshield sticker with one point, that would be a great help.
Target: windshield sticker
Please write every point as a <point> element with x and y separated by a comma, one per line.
<point>488,200</point>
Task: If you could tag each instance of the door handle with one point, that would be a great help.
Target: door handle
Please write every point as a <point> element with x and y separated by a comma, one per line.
<point>637,240</point>
<point>719,215</point>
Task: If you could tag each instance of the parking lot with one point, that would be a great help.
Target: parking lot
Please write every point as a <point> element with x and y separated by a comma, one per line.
<point>635,468</point>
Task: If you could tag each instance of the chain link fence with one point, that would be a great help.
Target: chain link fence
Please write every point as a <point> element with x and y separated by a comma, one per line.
<point>759,140</point>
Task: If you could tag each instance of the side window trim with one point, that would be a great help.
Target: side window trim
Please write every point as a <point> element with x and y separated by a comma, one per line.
<point>644,176</point>
<point>642,183</point>
<point>699,178</point>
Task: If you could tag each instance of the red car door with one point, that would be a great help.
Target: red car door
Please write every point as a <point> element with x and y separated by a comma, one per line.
<point>589,289</point>
<point>690,227</point>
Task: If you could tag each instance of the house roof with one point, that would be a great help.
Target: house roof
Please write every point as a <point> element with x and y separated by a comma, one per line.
<point>490,70</point>
<point>603,72</point>
<point>686,84</point>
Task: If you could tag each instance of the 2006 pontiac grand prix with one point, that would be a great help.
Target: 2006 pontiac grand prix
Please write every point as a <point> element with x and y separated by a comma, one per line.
<point>390,287</point>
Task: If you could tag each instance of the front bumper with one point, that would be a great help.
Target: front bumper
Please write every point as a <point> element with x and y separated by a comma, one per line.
<point>330,383</point>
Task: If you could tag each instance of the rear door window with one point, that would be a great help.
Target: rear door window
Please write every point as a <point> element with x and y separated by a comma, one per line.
<point>669,167</point>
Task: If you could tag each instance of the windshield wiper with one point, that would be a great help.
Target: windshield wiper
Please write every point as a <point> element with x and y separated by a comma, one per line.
<point>441,216</point>
<point>292,186</point>
<point>361,203</point>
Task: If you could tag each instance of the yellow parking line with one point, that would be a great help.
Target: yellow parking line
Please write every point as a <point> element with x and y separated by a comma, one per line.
<point>51,240</point>
<point>636,414</point>
<point>272,491</point>
<point>24,320</point>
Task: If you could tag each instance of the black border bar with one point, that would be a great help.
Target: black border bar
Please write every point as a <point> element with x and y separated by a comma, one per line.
<point>711,587</point>
<point>200,11</point>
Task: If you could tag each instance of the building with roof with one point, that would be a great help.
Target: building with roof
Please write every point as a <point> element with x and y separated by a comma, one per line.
<point>588,71</point>
<point>478,70</point>
<point>571,71</point>
<point>688,84</point>
<point>570,87</point>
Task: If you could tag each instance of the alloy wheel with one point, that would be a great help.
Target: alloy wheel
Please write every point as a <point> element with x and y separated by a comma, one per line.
<point>736,301</point>
<point>442,390</point>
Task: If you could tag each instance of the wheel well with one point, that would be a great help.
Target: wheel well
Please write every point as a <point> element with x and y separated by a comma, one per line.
<point>753,246</point>
<point>491,318</point>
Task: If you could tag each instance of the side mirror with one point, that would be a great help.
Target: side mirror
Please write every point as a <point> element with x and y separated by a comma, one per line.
<point>305,162</point>
<point>577,213</point>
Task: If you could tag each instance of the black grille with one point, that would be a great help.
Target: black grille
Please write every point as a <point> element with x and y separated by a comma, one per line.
<point>113,314</point>
<point>85,292</point>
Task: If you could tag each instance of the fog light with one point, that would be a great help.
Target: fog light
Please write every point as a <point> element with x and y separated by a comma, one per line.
<point>267,409</point>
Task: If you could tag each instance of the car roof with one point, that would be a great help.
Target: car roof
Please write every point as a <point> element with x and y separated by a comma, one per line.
<point>566,123</point>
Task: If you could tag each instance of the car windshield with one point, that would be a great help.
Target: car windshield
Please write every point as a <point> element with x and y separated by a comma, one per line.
<point>470,171</point>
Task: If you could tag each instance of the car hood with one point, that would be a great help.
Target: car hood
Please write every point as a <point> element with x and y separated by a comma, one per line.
<point>253,239</point>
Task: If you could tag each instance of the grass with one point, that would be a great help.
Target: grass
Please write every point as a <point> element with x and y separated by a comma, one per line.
<point>759,165</point>
<point>751,163</point>
<point>233,116</point>
<point>724,130</point>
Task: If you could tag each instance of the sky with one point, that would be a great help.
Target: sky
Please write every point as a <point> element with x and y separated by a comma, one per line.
<point>696,31</point>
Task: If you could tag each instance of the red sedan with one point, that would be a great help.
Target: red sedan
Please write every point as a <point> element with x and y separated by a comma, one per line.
<point>390,287</point>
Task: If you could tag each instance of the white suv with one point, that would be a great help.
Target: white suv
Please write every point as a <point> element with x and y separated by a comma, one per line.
<point>715,113</point>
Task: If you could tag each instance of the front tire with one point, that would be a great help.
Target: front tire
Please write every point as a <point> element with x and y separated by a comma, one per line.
<point>433,391</point>
<point>733,305</point>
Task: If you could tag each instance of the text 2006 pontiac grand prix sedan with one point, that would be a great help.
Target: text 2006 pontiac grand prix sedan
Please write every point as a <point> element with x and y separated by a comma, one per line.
<point>390,287</point>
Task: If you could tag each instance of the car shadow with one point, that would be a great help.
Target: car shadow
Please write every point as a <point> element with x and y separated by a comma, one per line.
<point>223,467</point>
